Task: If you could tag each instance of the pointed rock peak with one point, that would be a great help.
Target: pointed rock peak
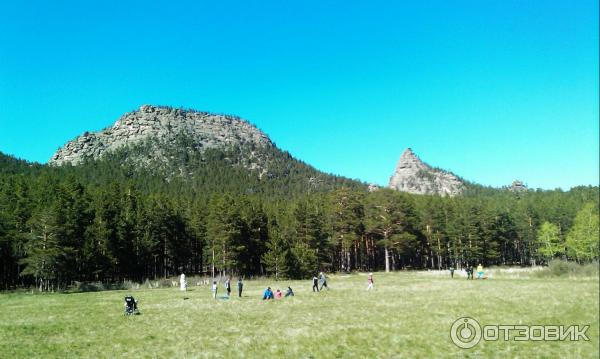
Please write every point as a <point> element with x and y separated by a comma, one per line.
<point>409,154</point>
<point>414,176</point>
<point>409,159</point>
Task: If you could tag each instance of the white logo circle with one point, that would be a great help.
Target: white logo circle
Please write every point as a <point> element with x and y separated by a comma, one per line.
<point>465,332</point>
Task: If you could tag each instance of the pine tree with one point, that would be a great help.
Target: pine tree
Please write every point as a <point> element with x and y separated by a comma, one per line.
<point>224,234</point>
<point>391,217</point>
<point>43,252</point>
<point>276,258</point>
<point>347,215</point>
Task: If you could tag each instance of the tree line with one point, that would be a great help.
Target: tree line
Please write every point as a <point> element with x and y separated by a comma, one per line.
<point>57,227</point>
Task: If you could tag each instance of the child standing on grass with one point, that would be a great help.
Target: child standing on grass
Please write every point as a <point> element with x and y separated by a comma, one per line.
<point>315,286</point>
<point>214,289</point>
<point>479,271</point>
<point>370,281</point>
<point>240,287</point>
<point>228,286</point>
<point>323,281</point>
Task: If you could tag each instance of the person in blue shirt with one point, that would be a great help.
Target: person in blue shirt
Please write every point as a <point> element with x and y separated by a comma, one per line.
<point>268,294</point>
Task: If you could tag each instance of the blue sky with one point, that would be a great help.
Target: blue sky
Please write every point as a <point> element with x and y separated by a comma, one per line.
<point>493,90</point>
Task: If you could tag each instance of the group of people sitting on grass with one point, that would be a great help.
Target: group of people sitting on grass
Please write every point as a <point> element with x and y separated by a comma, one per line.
<point>268,293</point>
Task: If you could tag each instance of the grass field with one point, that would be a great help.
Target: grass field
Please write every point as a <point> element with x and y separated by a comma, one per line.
<point>408,315</point>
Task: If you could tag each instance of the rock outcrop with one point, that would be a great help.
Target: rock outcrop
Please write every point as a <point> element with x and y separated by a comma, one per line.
<point>414,176</point>
<point>518,186</point>
<point>163,126</point>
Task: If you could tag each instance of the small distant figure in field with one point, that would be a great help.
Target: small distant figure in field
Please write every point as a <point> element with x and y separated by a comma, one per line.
<point>315,286</point>
<point>240,287</point>
<point>182,282</point>
<point>278,294</point>
<point>131,305</point>
<point>268,294</point>
<point>451,272</point>
<point>479,271</point>
<point>323,281</point>
<point>228,286</point>
<point>289,293</point>
<point>214,289</point>
<point>370,281</point>
<point>469,270</point>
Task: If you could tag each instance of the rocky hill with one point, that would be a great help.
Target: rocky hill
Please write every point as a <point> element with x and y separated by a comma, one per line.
<point>196,150</point>
<point>161,127</point>
<point>414,176</point>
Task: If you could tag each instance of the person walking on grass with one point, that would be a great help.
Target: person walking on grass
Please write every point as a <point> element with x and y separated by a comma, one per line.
<point>214,289</point>
<point>315,286</point>
<point>323,281</point>
<point>451,272</point>
<point>228,286</point>
<point>370,281</point>
<point>240,287</point>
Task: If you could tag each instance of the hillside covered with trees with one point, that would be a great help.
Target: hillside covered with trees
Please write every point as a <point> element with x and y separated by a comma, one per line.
<point>108,221</point>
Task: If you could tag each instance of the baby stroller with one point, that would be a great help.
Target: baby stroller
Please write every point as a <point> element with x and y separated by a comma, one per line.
<point>131,305</point>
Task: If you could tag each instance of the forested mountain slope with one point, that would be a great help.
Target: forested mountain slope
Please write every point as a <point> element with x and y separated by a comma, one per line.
<point>164,204</point>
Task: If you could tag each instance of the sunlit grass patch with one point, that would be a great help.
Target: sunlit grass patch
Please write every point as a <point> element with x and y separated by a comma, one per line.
<point>409,314</point>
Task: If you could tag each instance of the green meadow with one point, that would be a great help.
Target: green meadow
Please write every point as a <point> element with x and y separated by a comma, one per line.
<point>408,315</point>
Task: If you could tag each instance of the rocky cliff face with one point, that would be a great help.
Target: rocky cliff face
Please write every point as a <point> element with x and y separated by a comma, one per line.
<point>414,176</point>
<point>161,127</point>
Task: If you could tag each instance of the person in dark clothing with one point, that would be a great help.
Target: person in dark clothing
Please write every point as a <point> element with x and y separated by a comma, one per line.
<point>451,272</point>
<point>240,287</point>
<point>268,294</point>
<point>290,292</point>
<point>315,286</point>
<point>469,272</point>
<point>228,286</point>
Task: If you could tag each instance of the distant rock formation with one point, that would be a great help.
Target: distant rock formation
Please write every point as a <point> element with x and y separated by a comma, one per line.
<point>373,187</point>
<point>518,186</point>
<point>414,176</point>
<point>165,126</point>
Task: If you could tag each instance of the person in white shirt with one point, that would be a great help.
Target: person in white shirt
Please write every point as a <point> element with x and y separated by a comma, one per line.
<point>182,282</point>
<point>370,281</point>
